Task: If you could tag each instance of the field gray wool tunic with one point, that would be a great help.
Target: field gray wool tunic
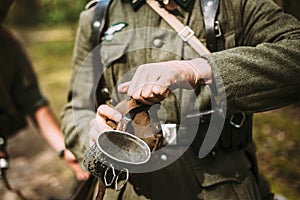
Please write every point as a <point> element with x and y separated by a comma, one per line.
<point>259,70</point>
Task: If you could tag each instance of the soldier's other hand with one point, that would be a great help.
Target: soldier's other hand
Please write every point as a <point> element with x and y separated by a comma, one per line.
<point>151,82</point>
<point>98,124</point>
<point>73,163</point>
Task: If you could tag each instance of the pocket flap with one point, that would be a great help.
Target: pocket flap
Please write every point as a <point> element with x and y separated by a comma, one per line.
<point>220,168</point>
<point>111,52</point>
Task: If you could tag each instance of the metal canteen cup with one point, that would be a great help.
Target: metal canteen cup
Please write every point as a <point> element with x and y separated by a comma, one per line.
<point>113,153</point>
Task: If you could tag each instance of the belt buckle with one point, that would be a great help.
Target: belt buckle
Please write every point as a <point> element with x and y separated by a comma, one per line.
<point>169,133</point>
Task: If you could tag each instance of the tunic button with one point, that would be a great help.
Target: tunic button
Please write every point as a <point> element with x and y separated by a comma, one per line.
<point>237,175</point>
<point>158,43</point>
<point>213,153</point>
<point>164,157</point>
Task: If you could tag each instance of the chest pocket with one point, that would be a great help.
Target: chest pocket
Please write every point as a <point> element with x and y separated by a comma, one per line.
<point>114,62</point>
<point>228,23</point>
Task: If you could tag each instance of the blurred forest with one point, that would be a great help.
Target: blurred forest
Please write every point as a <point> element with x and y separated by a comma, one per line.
<point>45,12</point>
<point>47,29</point>
<point>50,12</point>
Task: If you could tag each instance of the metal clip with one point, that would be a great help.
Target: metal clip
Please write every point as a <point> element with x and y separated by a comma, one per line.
<point>186,33</point>
<point>236,124</point>
<point>218,32</point>
<point>105,175</point>
<point>124,182</point>
<point>122,125</point>
<point>169,133</point>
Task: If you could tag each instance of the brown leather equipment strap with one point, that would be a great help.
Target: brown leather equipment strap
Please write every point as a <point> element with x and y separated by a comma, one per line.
<point>184,32</point>
<point>212,26</point>
<point>214,41</point>
<point>140,120</point>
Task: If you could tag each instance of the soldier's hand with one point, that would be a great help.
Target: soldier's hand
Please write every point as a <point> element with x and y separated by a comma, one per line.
<point>98,124</point>
<point>151,82</point>
<point>73,163</point>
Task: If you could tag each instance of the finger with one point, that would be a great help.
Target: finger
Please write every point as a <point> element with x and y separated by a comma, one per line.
<point>101,124</point>
<point>160,88</point>
<point>123,87</point>
<point>146,101</point>
<point>137,82</point>
<point>147,90</point>
<point>156,98</point>
<point>95,129</point>
<point>80,174</point>
<point>106,112</point>
<point>143,89</point>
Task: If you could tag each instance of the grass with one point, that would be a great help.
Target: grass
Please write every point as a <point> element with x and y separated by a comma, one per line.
<point>52,64</point>
<point>276,132</point>
<point>277,136</point>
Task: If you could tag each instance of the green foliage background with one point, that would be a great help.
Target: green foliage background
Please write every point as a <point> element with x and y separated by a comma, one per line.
<point>46,12</point>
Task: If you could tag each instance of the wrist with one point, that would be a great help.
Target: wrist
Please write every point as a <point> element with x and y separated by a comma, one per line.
<point>202,70</point>
<point>61,153</point>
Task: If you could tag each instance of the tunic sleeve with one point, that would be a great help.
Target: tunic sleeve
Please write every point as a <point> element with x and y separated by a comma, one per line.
<point>263,72</point>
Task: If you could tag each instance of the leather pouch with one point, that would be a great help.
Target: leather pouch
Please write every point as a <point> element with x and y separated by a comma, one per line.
<point>140,120</point>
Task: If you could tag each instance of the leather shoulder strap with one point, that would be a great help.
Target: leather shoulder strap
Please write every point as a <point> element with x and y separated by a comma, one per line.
<point>184,32</point>
<point>101,94</point>
<point>212,29</point>
<point>99,20</point>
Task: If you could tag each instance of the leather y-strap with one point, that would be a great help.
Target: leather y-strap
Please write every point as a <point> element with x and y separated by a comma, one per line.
<point>184,32</point>
<point>209,10</point>
<point>98,25</point>
<point>99,20</point>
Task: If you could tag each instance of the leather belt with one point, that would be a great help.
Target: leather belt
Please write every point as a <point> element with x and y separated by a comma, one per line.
<point>236,133</point>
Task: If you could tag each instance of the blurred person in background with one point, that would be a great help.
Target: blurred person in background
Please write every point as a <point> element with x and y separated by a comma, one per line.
<point>20,98</point>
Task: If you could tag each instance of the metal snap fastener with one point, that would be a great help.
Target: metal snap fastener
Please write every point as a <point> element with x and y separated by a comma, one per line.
<point>213,153</point>
<point>209,3</point>
<point>96,24</point>
<point>158,43</point>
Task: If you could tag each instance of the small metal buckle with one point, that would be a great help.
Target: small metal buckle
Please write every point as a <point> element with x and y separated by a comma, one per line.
<point>124,170</point>
<point>186,33</point>
<point>218,31</point>
<point>240,124</point>
<point>169,133</point>
<point>3,163</point>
